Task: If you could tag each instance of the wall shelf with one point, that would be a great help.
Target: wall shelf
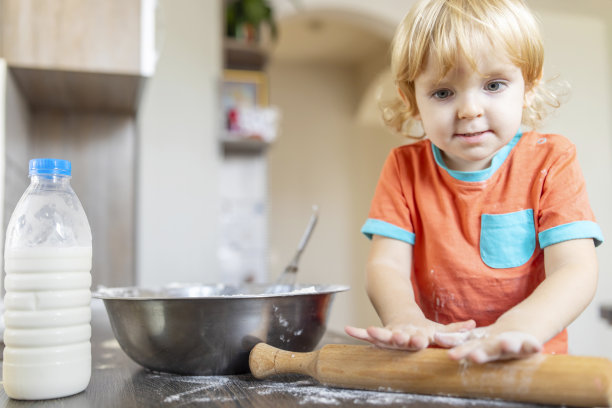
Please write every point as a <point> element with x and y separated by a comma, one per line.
<point>250,145</point>
<point>239,54</point>
<point>243,229</point>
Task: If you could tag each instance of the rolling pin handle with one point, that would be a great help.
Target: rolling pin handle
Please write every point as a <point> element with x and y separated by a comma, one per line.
<point>261,360</point>
<point>265,360</point>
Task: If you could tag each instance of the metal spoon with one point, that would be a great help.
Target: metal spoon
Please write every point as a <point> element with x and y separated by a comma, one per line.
<point>287,279</point>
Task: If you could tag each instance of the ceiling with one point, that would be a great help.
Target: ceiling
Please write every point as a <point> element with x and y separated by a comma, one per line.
<point>325,37</point>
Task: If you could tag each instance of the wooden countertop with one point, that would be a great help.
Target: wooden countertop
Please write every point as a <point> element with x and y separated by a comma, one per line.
<point>117,381</point>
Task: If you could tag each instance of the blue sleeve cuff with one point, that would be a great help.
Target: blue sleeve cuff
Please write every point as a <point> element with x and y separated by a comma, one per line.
<point>573,230</point>
<point>385,229</point>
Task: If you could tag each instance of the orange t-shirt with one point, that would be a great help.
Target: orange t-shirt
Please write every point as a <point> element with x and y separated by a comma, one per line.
<point>478,237</point>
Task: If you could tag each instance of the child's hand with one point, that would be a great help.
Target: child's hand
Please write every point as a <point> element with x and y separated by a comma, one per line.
<point>479,347</point>
<point>406,336</point>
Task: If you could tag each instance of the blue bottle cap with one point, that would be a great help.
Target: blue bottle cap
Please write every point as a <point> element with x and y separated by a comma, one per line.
<point>50,166</point>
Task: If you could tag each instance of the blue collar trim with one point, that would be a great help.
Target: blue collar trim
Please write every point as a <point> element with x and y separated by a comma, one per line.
<point>480,175</point>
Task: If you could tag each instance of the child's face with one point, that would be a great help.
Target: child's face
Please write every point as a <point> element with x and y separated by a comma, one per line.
<point>469,115</point>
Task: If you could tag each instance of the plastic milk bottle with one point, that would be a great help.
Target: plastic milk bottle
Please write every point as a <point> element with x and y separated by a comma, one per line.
<point>47,260</point>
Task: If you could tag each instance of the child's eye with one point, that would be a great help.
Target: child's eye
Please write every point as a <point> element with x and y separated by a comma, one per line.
<point>442,94</point>
<point>494,86</point>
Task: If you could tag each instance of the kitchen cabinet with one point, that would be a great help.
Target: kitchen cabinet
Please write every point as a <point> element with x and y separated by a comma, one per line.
<point>80,54</point>
<point>71,76</point>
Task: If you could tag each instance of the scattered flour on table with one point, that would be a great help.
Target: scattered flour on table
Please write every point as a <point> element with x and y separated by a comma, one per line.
<point>307,391</point>
<point>311,392</point>
<point>203,383</point>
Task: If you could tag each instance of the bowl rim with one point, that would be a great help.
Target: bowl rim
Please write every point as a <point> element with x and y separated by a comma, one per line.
<point>156,293</point>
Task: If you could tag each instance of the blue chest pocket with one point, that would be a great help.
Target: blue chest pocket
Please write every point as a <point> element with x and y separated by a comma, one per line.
<point>507,240</point>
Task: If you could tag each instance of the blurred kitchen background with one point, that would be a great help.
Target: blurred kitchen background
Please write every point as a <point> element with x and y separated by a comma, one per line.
<point>135,93</point>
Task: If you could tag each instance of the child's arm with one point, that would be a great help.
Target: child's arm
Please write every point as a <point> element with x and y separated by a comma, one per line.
<point>571,280</point>
<point>390,290</point>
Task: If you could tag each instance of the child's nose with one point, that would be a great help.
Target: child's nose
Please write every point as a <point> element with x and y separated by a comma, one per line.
<point>469,108</point>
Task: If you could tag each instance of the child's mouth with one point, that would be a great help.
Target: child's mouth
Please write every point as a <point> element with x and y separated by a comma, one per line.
<point>475,134</point>
<point>474,137</point>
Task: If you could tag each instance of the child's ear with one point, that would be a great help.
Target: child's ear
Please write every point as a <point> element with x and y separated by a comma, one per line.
<point>530,90</point>
<point>529,96</point>
<point>402,95</point>
<point>404,98</point>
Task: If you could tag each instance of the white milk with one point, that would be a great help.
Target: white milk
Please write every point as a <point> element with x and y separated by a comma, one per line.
<point>47,317</point>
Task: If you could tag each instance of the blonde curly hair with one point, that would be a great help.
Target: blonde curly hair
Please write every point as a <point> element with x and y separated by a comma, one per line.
<point>445,29</point>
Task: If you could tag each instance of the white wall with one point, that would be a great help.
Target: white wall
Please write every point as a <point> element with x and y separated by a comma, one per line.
<point>309,163</point>
<point>579,50</point>
<point>178,162</point>
<point>317,160</point>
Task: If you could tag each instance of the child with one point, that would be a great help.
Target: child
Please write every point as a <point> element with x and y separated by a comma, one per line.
<point>483,240</point>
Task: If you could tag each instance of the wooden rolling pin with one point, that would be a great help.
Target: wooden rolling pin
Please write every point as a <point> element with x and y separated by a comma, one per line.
<point>544,379</point>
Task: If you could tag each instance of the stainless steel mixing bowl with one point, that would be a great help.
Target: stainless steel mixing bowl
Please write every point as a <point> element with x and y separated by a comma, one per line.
<point>210,330</point>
